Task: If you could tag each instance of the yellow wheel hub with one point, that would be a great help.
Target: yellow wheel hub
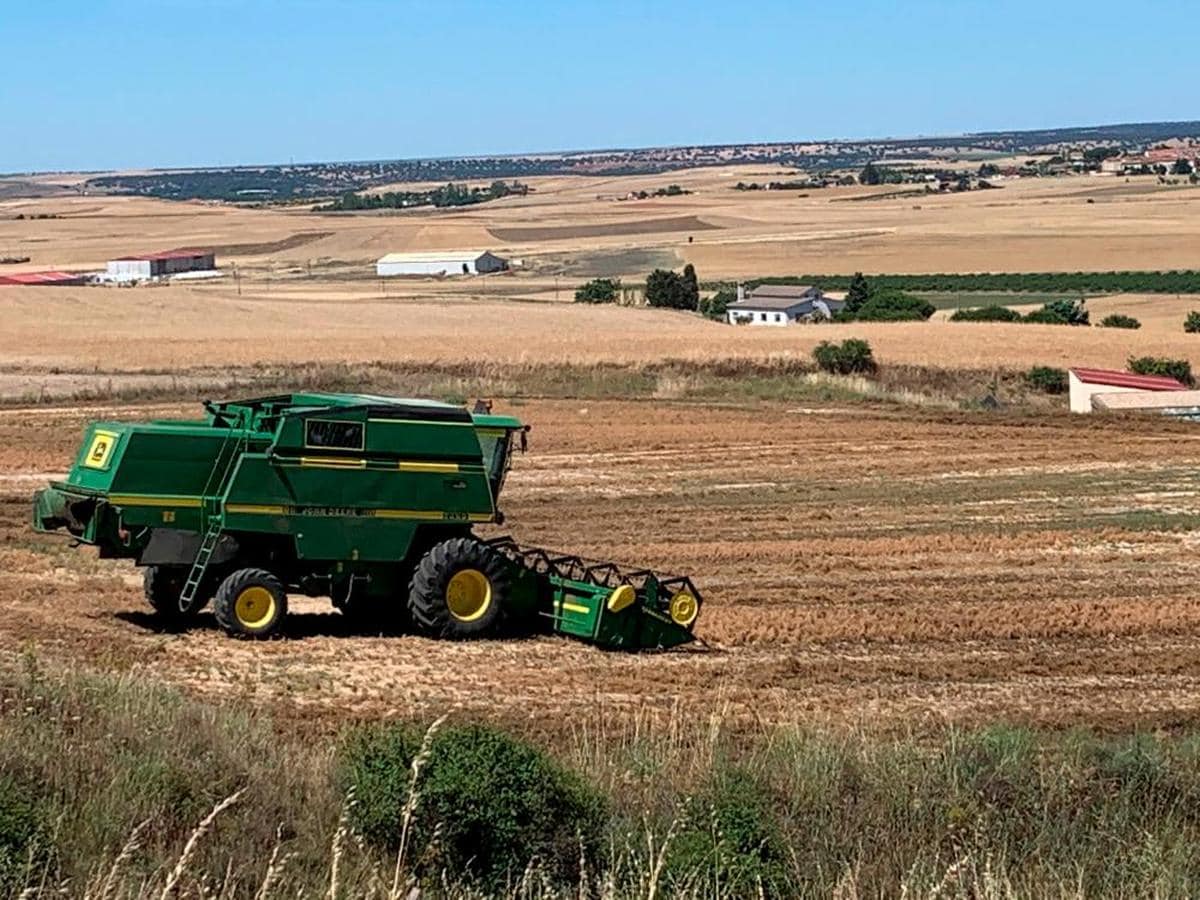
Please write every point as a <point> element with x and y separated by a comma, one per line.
<point>469,595</point>
<point>254,607</point>
<point>684,609</point>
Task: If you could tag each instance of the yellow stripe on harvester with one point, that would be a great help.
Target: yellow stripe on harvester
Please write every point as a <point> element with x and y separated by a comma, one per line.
<point>572,607</point>
<point>251,509</point>
<point>152,500</point>
<point>450,468</point>
<point>332,462</point>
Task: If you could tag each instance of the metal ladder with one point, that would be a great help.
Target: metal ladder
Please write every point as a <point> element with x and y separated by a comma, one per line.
<point>212,523</point>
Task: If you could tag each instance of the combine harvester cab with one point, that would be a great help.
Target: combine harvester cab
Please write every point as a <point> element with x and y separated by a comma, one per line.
<point>370,501</point>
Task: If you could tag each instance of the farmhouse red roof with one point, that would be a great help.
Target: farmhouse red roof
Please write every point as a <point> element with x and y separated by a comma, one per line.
<point>165,254</point>
<point>1128,380</point>
<point>38,278</point>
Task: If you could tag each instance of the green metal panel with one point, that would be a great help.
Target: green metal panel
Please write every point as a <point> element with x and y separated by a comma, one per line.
<point>393,465</point>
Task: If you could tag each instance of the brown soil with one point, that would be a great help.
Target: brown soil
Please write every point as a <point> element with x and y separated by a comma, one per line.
<point>884,568</point>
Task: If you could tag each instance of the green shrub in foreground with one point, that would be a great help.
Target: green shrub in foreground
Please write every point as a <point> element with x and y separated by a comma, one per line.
<point>1179,369</point>
<point>1118,320</point>
<point>1192,323</point>
<point>852,356</point>
<point>986,314</point>
<point>731,837</point>
<point>495,802</point>
<point>21,832</point>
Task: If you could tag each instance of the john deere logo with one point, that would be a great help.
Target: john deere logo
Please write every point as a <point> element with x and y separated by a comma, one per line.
<point>100,450</point>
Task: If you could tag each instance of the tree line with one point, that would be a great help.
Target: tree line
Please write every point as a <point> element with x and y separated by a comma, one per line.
<point>1173,282</point>
<point>447,195</point>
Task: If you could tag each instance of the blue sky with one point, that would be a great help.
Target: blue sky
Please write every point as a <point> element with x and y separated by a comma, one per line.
<point>92,84</point>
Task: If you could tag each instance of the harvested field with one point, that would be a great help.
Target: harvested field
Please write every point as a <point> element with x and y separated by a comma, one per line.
<point>892,566</point>
<point>883,568</point>
<point>263,248</point>
<point>1029,225</point>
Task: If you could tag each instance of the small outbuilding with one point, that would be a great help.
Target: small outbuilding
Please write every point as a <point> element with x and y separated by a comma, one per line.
<point>440,263</point>
<point>781,304</point>
<point>160,265</point>
<point>1087,385</point>
<point>1178,404</point>
<point>50,279</point>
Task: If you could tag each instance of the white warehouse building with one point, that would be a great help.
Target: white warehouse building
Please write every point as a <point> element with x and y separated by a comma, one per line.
<point>440,262</point>
<point>160,265</point>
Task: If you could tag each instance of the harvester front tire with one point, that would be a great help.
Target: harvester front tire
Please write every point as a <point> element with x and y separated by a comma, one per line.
<point>163,585</point>
<point>251,603</point>
<point>459,590</point>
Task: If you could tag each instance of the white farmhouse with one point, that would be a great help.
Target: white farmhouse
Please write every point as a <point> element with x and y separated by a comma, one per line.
<point>781,304</point>
<point>440,262</point>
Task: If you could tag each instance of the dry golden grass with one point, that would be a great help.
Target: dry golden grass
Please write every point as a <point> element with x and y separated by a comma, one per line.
<point>307,290</point>
<point>175,328</point>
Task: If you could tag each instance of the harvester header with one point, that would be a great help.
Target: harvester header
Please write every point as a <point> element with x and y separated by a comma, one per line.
<point>370,501</point>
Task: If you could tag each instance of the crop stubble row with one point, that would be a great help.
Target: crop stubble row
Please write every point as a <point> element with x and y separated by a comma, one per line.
<point>883,567</point>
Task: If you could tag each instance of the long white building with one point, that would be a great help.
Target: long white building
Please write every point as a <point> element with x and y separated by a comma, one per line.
<point>159,265</point>
<point>440,262</point>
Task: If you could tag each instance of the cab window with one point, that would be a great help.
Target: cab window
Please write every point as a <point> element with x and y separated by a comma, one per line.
<point>495,457</point>
<point>332,434</point>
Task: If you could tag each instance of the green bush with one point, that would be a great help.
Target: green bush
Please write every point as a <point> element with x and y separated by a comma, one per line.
<point>715,307</point>
<point>894,306</point>
<point>1192,323</point>
<point>671,290</point>
<point>731,837</point>
<point>1117,320</point>
<point>599,290</point>
<point>1047,379</point>
<point>494,802</point>
<point>1060,312</point>
<point>852,356</point>
<point>1179,369</point>
<point>986,314</point>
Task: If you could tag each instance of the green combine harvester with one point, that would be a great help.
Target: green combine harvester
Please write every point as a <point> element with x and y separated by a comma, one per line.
<point>367,500</point>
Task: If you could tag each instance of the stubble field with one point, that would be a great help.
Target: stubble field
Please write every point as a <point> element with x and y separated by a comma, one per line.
<point>880,568</point>
<point>881,565</point>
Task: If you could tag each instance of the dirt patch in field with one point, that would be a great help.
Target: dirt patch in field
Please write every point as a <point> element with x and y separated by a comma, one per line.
<point>518,235</point>
<point>263,248</point>
<point>603,263</point>
<point>884,568</point>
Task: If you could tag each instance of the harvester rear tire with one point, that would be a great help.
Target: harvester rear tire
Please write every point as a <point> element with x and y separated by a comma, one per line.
<point>163,585</point>
<point>251,603</point>
<point>459,589</point>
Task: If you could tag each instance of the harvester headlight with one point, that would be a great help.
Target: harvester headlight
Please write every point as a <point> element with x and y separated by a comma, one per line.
<point>683,609</point>
<point>621,597</point>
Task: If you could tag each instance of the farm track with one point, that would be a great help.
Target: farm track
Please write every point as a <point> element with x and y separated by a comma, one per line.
<point>893,569</point>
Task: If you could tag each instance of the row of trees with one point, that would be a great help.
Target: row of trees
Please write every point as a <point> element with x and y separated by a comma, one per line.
<point>447,195</point>
<point>1060,311</point>
<point>665,289</point>
<point>1144,282</point>
<point>865,302</point>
